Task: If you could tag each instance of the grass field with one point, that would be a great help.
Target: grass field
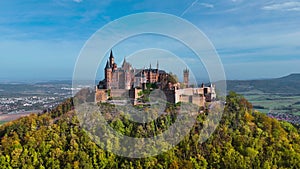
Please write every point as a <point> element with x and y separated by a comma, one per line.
<point>265,102</point>
<point>2,122</point>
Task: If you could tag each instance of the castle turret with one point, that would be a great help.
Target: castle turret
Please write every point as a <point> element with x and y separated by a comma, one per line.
<point>124,63</point>
<point>157,72</point>
<point>213,94</point>
<point>127,80</point>
<point>111,59</point>
<point>107,65</point>
<point>186,77</point>
<point>108,75</point>
<point>126,66</point>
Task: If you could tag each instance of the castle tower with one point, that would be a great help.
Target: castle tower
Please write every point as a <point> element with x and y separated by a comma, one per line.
<point>126,66</point>
<point>127,80</point>
<point>149,74</point>
<point>111,59</point>
<point>108,75</point>
<point>157,72</point>
<point>213,94</point>
<point>124,63</point>
<point>186,77</point>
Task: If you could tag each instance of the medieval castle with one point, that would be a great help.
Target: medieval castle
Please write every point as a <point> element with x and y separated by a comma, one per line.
<point>128,82</point>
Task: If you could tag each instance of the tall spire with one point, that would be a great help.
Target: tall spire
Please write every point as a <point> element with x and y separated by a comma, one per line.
<point>107,65</point>
<point>111,54</point>
<point>150,65</point>
<point>157,65</point>
<point>124,62</point>
<point>111,59</point>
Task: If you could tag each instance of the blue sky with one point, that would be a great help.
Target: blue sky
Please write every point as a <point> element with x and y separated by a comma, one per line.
<point>41,40</point>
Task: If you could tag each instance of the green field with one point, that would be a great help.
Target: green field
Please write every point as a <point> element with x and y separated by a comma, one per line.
<point>2,122</point>
<point>265,102</point>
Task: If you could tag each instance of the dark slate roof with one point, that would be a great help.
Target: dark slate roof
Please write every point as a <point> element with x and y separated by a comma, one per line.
<point>107,65</point>
<point>161,71</point>
<point>139,75</point>
<point>111,54</point>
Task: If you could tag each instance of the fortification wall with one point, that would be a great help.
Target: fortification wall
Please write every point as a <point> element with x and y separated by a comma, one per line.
<point>119,93</point>
<point>101,95</point>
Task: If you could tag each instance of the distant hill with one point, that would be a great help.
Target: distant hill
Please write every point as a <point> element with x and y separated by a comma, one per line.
<point>288,84</point>
<point>55,82</point>
<point>28,89</point>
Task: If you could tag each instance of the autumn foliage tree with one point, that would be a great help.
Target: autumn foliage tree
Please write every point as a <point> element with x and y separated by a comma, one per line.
<point>244,139</point>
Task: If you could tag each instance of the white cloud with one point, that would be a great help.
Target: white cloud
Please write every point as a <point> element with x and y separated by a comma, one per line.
<point>207,5</point>
<point>78,1</point>
<point>188,8</point>
<point>286,6</point>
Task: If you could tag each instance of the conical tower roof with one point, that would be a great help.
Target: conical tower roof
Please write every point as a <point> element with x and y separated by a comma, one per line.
<point>107,65</point>
<point>111,54</point>
<point>124,62</point>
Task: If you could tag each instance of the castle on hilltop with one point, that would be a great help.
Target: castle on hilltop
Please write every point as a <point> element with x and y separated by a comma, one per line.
<point>126,77</point>
<point>128,82</point>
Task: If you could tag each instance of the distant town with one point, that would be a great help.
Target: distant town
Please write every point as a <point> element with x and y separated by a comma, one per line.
<point>22,98</point>
<point>289,117</point>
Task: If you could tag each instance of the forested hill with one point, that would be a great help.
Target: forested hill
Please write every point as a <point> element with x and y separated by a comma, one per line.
<point>244,139</point>
<point>287,84</point>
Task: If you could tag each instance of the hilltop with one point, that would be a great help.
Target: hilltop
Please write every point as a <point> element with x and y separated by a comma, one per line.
<point>244,139</point>
<point>287,84</point>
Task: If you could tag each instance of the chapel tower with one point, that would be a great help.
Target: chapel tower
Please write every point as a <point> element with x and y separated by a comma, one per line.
<point>108,75</point>
<point>186,77</point>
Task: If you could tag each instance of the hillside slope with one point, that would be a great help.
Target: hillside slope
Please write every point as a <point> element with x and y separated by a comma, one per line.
<point>287,84</point>
<point>244,139</point>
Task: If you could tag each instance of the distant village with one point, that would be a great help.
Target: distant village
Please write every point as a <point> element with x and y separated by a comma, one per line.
<point>128,82</point>
<point>289,117</point>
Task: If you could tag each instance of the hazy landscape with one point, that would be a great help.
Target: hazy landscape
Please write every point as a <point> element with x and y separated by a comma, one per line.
<point>140,84</point>
<point>271,95</point>
<point>21,99</point>
<point>278,95</point>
